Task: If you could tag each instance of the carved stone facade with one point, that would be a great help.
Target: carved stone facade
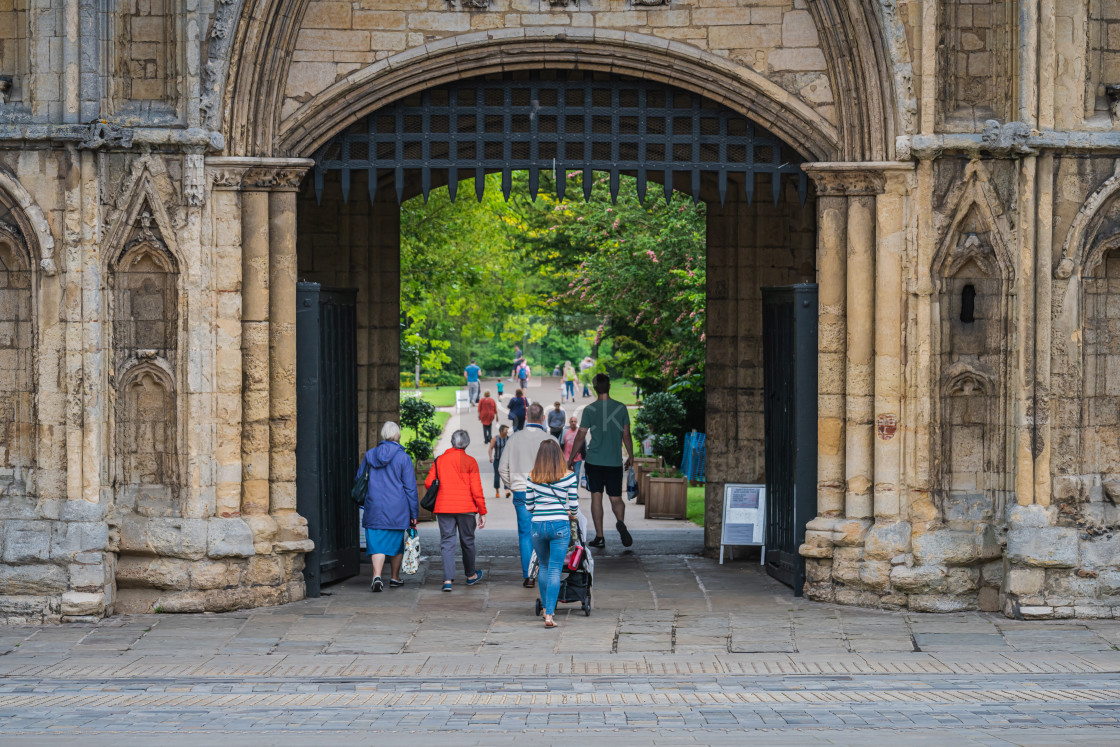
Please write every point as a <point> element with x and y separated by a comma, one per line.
<point>963,226</point>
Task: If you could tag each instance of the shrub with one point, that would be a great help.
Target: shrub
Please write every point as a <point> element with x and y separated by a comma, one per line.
<point>419,450</point>
<point>663,415</point>
<point>419,416</point>
<point>415,412</point>
<point>670,447</point>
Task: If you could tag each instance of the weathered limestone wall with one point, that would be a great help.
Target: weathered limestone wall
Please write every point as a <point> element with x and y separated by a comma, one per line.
<point>775,37</point>
<point>357,245</point>
<point>969,411</point>
<point>749,247</point>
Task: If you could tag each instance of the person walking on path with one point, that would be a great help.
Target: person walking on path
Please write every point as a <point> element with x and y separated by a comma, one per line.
<point>517,462</point>
<point>585,367</point>
<point>501,388</point>
<point>551,496</point>
<point>487,411</point>
<point>523,375</point>
<point>497,446</point>
<point>556,419</point>
<point>569,382</point>
<point>391,506</point>
<point>470,373</point>
<point>516,407</point>
<point>608,422</point>
<point>458,501</point>
<point>568,439</point>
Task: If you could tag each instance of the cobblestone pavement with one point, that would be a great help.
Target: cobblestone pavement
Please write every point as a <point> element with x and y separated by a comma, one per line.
<point>678,650</point>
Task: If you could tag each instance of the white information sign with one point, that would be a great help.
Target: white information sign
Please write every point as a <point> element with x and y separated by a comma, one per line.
<point>744,517</point>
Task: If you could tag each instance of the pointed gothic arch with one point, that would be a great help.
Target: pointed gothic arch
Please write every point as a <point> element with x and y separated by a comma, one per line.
<point>977,205</point>
<point>146,460</point>
<point>1084,227</point>
<point>143,272</point>
<point>18,333</point>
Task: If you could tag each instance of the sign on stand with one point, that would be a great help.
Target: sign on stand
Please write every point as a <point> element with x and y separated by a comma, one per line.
<point>744,517</point>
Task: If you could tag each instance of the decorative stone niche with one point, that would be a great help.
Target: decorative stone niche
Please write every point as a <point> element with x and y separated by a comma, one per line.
<point>1101,429</point>
<point>978,62</point>
<point>17,396</point>
<point>145,352</point>
<point>974,275</point>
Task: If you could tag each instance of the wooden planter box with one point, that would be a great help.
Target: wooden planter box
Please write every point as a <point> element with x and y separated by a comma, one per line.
<point>667,498</point>
<point>642,467</point>
<point>422,475</point>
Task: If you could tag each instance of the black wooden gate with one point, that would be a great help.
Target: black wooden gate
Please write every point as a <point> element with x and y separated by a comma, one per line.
<point>327,450</point>
<point>789,340</point>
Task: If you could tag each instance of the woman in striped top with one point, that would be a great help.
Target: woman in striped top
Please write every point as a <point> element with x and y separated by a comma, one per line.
<point>551,497</point>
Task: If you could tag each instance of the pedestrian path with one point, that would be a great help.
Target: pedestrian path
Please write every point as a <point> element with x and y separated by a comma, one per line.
<point>545,390</point>
<point>678,650</point>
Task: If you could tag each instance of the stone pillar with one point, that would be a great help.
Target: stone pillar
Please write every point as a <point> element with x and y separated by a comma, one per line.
<point>254,347</point>
<point>1044,412</point>
<point>859,377</point>
<point>891,226</point>
<point>846,200</point>
<point>1023,388</point>
<point>225,219</point>
<point>832,341</point>
<point>268,346</point>
<point>282,354</point>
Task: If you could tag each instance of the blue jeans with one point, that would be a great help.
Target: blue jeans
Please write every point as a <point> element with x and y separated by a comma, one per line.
<point>524,540</point>
<point>570,389</point>
<point>550,540</point>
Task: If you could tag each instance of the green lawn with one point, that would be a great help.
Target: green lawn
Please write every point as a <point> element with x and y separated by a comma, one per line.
<point>407,434</point>
<point>623,391</point>
<point>440,396</point>
<point>696,505</point>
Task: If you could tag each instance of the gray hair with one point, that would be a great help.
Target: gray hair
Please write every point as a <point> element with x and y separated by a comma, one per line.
<point>460,439</point>
<point>536,413</point>
<point>391,431</point>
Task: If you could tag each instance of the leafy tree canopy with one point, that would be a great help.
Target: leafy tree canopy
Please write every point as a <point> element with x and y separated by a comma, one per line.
<point>558,278</point>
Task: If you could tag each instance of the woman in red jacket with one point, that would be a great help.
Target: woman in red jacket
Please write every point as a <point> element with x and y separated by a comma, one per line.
<point>458,500</point>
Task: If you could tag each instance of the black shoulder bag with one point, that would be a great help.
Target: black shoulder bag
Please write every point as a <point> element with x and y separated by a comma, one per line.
<point>360,490</point>
<point>428,502</point>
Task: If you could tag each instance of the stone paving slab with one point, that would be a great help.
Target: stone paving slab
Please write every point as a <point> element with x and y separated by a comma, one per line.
<point>677,650</point>
<point>621,705</point>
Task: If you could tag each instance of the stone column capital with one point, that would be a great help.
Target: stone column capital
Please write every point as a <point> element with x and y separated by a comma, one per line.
<point>842,179</point>
<point>257,174</point>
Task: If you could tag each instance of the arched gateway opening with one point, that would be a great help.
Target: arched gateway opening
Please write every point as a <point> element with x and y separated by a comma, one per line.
<point>761,232</point>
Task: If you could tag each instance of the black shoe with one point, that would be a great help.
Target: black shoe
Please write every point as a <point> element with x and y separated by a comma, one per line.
<point>597,542</point>
<point>624,534</point>
<point>394,583</point>
<point>377,585</point>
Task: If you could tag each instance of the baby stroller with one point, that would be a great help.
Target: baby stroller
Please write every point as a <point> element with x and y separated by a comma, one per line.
<point>575,582</point>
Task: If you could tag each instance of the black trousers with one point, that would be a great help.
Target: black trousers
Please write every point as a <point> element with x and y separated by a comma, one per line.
<point>486,433</point>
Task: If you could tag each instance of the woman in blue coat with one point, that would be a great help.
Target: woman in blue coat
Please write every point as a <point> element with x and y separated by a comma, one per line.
<point>391,506</point>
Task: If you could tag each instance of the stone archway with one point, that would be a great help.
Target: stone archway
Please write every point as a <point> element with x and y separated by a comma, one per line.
<point>861,41</point>
<point>858,249</point>
<point>347,239</point>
